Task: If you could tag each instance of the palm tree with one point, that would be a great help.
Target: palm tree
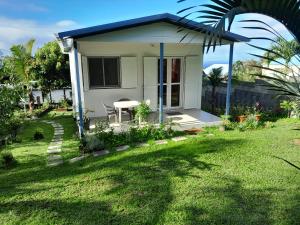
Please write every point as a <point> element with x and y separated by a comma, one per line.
<point>23,67</point>
<point>222,13</point>
<point>215,78</point>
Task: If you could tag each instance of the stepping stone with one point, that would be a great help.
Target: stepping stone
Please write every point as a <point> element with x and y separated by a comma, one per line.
<point>100,153</point>
<point>55,163</point>
<point>177,139</point>
<point>55,143</point>
<point>161,142</point>
<point>54,157</point>
<point>142,145</point>
<point>58,132</point>
<point>296,141</point>
<point>122,148</point>
<point>54,151</point>
<point>210,135</point>
<point>76,159</point>
<point>54,147</point>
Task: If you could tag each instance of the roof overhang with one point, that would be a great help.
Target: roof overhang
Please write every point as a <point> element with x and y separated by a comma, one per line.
<point>168,18</point>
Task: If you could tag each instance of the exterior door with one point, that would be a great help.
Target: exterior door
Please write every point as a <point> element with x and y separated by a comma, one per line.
<point>172,82</point>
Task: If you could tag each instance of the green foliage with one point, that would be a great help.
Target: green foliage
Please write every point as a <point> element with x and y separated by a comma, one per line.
<point>6,159</point>
<point>38,134</point>
<point>90,143</point>
<point>110,139</point>
<point>222,13</point>
<point>64,103</point>
<point>53,67</point>
<point>245,70</point>
<point>288,106</point>
<point>142,111</point>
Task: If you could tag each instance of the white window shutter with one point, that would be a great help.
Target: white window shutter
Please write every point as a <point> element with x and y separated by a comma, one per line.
<point>150,81</point>
<point>129,72</point>
<point>85,73</point>
<point>193,82</point>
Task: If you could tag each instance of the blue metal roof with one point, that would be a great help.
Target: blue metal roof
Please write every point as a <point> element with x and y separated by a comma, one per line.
<point>169,18</point>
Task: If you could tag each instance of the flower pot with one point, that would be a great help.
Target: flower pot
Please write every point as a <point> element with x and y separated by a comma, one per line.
<point>257,117</point>
<point>241,119</point>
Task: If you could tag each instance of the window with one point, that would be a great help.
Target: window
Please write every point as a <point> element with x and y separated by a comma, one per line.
<point>104,72</point>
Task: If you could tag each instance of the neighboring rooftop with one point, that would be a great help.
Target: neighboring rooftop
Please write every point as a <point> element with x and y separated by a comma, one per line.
<point>225,67</point>
<point>169,18</point>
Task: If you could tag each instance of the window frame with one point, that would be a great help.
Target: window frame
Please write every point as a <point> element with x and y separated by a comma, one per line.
<point>118,86</point>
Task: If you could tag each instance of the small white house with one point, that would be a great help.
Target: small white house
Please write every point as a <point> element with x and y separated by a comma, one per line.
<point>122,60</point>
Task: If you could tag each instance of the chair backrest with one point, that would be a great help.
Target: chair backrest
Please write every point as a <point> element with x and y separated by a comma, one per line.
<point>108,108</point>
<point>123,99</point>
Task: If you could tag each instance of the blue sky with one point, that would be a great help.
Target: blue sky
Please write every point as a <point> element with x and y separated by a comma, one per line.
<point>40,19</point>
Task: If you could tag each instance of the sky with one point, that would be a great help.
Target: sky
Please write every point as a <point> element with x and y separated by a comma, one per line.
<point>21,20</point>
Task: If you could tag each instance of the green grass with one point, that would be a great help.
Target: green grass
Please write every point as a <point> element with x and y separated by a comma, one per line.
<point>228,178</point>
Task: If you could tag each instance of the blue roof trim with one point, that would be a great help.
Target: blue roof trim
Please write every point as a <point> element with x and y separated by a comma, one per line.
<point>176,20</point>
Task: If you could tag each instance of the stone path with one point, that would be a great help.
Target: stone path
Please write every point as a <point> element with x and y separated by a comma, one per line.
<point>54,149</point>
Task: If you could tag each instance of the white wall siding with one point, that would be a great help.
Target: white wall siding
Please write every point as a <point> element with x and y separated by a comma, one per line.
<point>130,52</point>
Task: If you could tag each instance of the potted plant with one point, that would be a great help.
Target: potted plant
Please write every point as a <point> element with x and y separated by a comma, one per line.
<point>225,122</point>
<point>142,112</point>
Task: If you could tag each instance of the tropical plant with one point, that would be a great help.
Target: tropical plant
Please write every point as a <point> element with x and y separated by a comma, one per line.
<point>142,111</point>
<point>24,68</point>
<point>221,14</point>
<point>215,77</point>
<point>288,106</point>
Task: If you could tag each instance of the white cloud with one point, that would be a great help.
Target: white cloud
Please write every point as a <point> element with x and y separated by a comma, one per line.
<point>66,23</point>
<point>23,6</point>
<point>15,31</point>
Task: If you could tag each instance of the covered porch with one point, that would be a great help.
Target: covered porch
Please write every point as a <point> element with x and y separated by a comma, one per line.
<point>183,119</point>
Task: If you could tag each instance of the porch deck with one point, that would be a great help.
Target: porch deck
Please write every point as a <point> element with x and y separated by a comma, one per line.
<point>184,119</point>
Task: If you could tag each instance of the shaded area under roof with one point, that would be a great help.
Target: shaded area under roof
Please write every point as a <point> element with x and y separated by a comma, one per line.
<point>166,17</point>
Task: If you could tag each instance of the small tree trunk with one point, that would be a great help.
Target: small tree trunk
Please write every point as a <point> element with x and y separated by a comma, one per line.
<point>31,101</point>
<point>213,99</point>
<point>65,97</point>
<point>50,96</point>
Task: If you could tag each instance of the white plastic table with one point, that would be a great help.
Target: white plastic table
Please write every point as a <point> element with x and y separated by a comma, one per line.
<point>124,105</point>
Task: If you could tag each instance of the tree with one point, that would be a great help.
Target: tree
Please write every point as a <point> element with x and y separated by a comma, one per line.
<point>222,13</point>
<point>53,68</point>
<point>24,68</point>
<point>215,78</point>
<point>244,70</point>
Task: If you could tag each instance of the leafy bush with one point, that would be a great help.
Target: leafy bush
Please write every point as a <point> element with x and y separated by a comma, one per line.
<point>249,124</point>
<point>269,124</point>
<point>142,112</point>
<point>38,134</point>
<point>134,134</point>
<point>64,103</point>
<point>91,143</point>
<point>6,159</point>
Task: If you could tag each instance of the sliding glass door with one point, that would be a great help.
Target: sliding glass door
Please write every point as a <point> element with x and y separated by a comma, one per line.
<point>172,80</point>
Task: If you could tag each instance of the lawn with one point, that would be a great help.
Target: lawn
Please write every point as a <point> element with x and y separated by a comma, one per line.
<point>225,178</point>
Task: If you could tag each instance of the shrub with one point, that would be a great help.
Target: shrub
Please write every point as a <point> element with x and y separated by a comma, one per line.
<point>6,159</point>
<point>38,134</point>
<point>91,143</point>
<point>64,103</point>
<point>269,124</point>
<point>142,112</point>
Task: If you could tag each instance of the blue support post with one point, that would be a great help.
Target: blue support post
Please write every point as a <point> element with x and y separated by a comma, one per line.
<point>78,91</point>
<point>161,84</point>
<point>229,80</point>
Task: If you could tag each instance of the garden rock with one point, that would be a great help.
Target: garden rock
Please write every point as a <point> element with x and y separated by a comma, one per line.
<point>100,153</point>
